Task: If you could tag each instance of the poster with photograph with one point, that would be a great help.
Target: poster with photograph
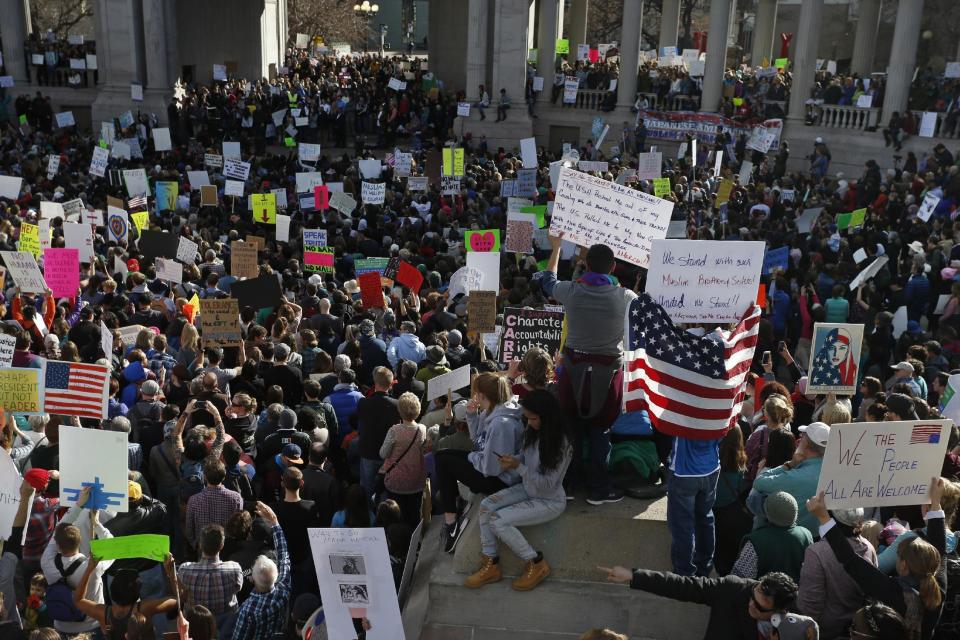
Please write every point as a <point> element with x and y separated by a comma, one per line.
<point>356,583</point>
<point>834,358</point>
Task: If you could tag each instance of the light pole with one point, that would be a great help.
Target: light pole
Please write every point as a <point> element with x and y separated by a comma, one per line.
<point>366,11</point>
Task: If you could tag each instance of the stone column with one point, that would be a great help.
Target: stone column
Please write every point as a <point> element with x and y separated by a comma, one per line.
<point>546,47</point>
<point>669,24</point>
<point>476,48</point>
<point>630,32</point>
<point>865,40</point>
<point>509,51</point>
<point>804,61</point>
<point>14,27</point>
<point>577,31</point>
<point>155,28</point>
<point>903,57</point>
<point>764,28</point>
<point>119,49</point>
<point>716,56</point>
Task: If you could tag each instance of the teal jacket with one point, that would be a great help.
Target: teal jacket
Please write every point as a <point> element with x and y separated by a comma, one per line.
<point>800,482</point>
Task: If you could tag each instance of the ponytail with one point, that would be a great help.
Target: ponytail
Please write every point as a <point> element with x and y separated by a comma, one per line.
<point>923,562</point>
<point>930,594</point>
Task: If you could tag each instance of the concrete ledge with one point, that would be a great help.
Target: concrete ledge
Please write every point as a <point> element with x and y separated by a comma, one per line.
<point>631,533</point>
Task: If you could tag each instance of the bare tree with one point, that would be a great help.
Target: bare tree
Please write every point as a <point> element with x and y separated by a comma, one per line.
<point>63,17</point>
<point>333,20</point>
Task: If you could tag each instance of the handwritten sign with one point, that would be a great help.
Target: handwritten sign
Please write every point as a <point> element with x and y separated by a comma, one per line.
<point>169,270</point>
<point>342,202</point>
<point>373,192</point>
<point>264,206</point>
<point>146,545</point>
<point>9,494</point>
<point>61,270</point>
<point>8,345</point>
<point>589,210</point>
<point>187,250</point>
<point>649,165</point>
<point>449,185</point>
<point>704,280</point>
<point>220,321</point>
<point>243,260</point>
<point>22,267</point>
<point>21,390</point>
<point>882,464</point>
<point>525,328</point>
<point>482,311</point>
<point>484,240</point>
<point>520,228</point>
<point>450,381</point>
<point>236,169</point>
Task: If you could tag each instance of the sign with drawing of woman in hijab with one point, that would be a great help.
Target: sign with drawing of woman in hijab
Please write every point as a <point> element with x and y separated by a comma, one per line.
<point>835,358</point>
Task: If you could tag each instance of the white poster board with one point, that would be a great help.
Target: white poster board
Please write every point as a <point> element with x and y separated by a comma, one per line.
<point>22,268</point>
<point>231,150</point>
<point>929,203</point>
<point>452,380</point>
<point>8,345</point>
<point>98,459</point>
<point>99,161</point>
<point>373,192</point>
<point>528,152</point>
<point>80,236</point>
<point>704,280</point>
<point>187,250</point>
<point>589,210</point>
<point>10,186</point>
<point>488,264</point>
<point>928,124</point>
<point>356,582</point>
<point>649,164</point>
<point>882,464</point>
<point>834,359</point>
<point>871,270</point>
<point>169,270</point>
<point>9,494</point>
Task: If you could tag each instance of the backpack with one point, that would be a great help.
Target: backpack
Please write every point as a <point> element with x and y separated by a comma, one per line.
<point>59,596</point>
<point>191,479</point>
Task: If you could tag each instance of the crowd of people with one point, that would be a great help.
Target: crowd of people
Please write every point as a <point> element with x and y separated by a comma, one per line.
<point>318,415</point>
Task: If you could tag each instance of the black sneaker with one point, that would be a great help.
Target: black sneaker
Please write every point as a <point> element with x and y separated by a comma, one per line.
<point>452,533</point>
<point>615,495</point>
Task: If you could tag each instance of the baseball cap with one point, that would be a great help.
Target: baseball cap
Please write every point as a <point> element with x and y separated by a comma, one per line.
<point>133,265</point>
<point>902,405</point>
<point>792,626</point>
<point>292,453</point>
<point>818,432</point>
<point>903,366</point>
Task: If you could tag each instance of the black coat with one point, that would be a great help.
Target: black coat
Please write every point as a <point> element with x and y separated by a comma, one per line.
<point>376,415</point>
<point>728,598</point>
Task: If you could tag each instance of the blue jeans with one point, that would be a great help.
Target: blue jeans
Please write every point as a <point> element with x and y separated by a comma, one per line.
<point>368,475</point>
<point>690,520</point>
<point>504,511</point>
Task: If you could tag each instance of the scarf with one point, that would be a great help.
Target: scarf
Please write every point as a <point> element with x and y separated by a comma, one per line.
<point>591,279</point>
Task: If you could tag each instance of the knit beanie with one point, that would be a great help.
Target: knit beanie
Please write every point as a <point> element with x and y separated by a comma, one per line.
<point>781,509</point>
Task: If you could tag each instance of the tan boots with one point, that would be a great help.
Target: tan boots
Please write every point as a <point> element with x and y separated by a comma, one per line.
<point>533,574</point>
<point>488,572</point>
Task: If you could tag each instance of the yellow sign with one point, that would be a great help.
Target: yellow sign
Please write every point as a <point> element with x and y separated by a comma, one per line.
<point>264,207</point>
<point>458,162</point>
<point>20,390</point>
<point>453,162</point>
<point>723,191</point>
<point>140,219</point>
<point>30,238</point>
<point>447,168</point>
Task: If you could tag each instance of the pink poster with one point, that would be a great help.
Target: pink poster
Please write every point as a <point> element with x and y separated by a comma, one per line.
<point>61,270</point>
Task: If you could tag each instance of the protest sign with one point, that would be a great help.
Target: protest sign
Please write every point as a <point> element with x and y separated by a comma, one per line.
<point>776,259</point>
<point>243,260</point>
<point>9,494</point>
<point>167,193</point>
<point>140,220</point>
<point>342,202</point>
<point>65,119</point>
<point>520,228</point>
<point>212,160</point>
<point>10,187</point>
<point>233,188</point>
<point>373,192</point>
<point>859,255</point>
<point>145,545</point>
<point>8,345</point>
<point>30,239</point>
<point>723,191</point>
<point>61,271</point>
<point>219,72</point>
<point>402,164</point>
<point>220,321</point>
<point>198,179</point>
<point>260,292</point>
<point>208,195</point>
<point>449,185</point>
<point>870,271</point>
<point>236,169</point>
<point>169,270</point>
<point>482,311</point>
<point>528,152</point>
<point>22,267</point>
<point>661,187</point>
<point>21,390</point>
<point>370,168</point>
<point>50,209</point>
<point>466,279</point>
<point>356,582</point>
<point>570,86</point>
<point>488,263</point>
<point>128,334</point>
<point>482,240</point>
<point>78,235</point>
<point>161,139</point>
<point>882,464</point>
<point>187,251</point>
<point>308,180</point>
<point>762,138</point>
<point>318,259</point>
<point>99,161</point>
<point>807,218</point>
<point>463,109</point>
<point>525,328</point>
<point>409,276</point>
<point>589,210</point>
<point>746,172</point>
<point>930,203</point>
<point>928,124</point>
<point>308,152</point>
<point>450,381</point>
<point>372,265</point>
<point>264,207</point>
<point>98,459</point>
<point>136,182</point>
<point>93,217</point>
<point>649,166</point>
<point>231,150</point>
<point>106,340</point>
<point>704,280</point>
<point>258,241</point>
<point>283,228</point>
<point>117,225</point>
<point>371,290</point>
<point>834,359</point>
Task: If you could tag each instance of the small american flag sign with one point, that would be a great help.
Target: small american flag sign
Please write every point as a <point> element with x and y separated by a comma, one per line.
<point>925,434</point>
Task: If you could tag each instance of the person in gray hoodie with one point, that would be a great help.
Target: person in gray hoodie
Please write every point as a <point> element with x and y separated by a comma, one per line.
<point>538,498</point>
<point>493,420</point>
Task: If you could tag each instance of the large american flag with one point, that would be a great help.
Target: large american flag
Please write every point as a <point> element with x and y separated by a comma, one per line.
<point>689,386</point>
<point>76,389</point>
<point>137,203</point>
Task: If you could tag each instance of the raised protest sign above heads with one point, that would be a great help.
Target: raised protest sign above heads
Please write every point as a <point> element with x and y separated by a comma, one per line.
<point>834,358</point>
<point>22,267</point>
<point>882,464</point>
<point>525,328</point>
<point>704,280</point>
<point>220,321</point>
<point>98,459</point>
<point>589,210</point>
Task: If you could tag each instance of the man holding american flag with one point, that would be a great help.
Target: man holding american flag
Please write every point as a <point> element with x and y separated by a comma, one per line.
<point>692,388</point>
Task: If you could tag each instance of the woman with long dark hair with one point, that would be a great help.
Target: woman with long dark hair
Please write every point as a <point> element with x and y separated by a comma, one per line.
<point>538,498</point>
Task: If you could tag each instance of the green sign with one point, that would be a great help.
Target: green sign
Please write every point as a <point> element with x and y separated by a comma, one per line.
<point>781,63</point>
<point>147,545</point>
<point>661,187</point>
<point>540,211</point>
<point>563,46</point>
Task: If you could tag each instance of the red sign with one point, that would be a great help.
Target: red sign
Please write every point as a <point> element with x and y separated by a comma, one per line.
<point>371,291</point>
<point>321,197</point>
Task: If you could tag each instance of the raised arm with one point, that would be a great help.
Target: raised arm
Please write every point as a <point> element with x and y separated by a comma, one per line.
<point>84,604</point>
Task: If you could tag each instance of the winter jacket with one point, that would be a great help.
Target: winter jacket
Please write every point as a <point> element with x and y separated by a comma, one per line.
<point>344,399</point>
<point>827,593</point>
<point>497,432</point>
<point>405,346</point>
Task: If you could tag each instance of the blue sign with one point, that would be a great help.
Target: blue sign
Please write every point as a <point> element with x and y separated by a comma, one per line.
<point>776,259</point>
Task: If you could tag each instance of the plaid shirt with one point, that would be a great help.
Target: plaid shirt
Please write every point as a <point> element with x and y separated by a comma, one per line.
<point>160,361</point>
<point>40,526</point>
<point>212,583</point>
<point>213,505</point>
<point>262,614</point>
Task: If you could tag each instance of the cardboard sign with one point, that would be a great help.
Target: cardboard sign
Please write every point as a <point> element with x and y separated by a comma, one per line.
<point>243,260</point>
<point>482,311</point>
<point>98,459</point>
<point>450,381</point>
<point>220,321</point>
<point>704,280</point>
<point>258,241</point>
<point>882,464</point>
<point>525,328</point>
<point>834,359</point>
<point>371,290</point>
<point>21,391</point>
<point>482,240</point>
<point>61,271</point>
<point>23,269</point>
<point>208,195</point>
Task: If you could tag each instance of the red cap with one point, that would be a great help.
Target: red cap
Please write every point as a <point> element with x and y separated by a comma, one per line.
<point>37,478</point>
<point>133,265</point>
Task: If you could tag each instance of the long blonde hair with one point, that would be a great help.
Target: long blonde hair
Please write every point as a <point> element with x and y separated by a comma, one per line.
<point>923,561</point>
<point>778,411</point>
<point>189,338</point>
